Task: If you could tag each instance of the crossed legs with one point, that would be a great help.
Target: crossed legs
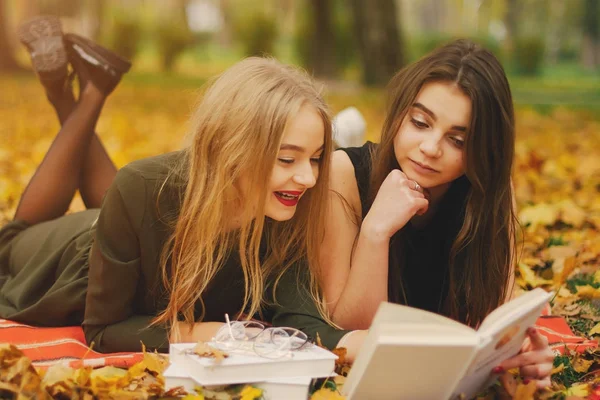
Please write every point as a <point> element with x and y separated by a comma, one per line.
<point>76,159</point>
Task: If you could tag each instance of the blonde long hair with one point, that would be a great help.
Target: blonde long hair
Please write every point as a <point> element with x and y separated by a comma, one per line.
<point>237,130</point>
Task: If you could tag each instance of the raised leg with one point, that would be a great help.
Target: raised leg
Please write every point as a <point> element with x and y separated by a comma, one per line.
<point>51,189</point>
<point>98,169</point>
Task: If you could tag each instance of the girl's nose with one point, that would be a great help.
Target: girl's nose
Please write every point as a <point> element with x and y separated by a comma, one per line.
<point>431,147</point>
<point>306,177</point>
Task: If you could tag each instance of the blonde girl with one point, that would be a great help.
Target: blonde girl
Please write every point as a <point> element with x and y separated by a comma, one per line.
<point>169,244</point>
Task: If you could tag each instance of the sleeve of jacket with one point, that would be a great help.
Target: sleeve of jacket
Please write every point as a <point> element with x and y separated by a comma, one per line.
<point>295,307</point>
<point>111,321</point>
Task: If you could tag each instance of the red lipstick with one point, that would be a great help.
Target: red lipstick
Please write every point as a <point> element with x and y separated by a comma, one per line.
<point>288,198</point>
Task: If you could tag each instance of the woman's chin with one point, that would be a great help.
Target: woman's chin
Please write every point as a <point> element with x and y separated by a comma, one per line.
<point>281,215</point>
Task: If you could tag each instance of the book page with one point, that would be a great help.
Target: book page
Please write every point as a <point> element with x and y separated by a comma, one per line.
<point>397,313</point>
<point>501,338</point>
<point>514,309</point>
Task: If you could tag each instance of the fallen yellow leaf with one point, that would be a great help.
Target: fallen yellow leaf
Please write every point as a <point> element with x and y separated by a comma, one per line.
<point>250,393</point>
<point>539,215</point>
<point>588,292</point>
<point>326,394</point>
<point>578,389</point>
<point>562,268</point>
<point>204,350</point>
<point>558,369</point>
<point>581,365</point>
<point>525,392</point>
<point>530,278</point>
<point>571,213</point>
<point>595,330</point>
<point>555,252</point>
<point>193,397</point>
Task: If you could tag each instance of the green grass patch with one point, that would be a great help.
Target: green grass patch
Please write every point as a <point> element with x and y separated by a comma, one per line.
<point>581,280</point>
<point>568,376</point>
<point>560,84</point>
<point>580,326</point>
<point>556,241</point>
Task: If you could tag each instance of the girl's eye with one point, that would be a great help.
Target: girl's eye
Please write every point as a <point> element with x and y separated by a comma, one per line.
<point>419,124</point>
<point>286,160</point>
<point>457,142</point>
<point>315,160</point>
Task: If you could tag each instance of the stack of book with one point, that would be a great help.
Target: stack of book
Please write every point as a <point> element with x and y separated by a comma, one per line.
<point>287,377</point>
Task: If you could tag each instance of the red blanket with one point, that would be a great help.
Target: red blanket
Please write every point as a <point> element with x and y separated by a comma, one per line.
<point>47,346</point>
<point>560,337</point>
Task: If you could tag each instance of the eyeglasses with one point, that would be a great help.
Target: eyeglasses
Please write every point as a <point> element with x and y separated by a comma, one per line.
<point>251,336</point>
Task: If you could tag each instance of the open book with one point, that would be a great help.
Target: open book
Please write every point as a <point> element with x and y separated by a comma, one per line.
<point>415,354</point>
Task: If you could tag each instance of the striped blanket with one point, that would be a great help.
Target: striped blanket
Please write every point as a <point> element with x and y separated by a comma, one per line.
<point>47,346</point>
<point>560,337</point>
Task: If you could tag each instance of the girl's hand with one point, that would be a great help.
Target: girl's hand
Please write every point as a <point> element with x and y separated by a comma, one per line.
<point>397,201</point>
<point>534,360</point>
<point>199,331</point>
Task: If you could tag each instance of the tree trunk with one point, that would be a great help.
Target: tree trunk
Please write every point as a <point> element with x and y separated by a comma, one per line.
<point>590,54</point>
<point>224,35</point>
<point>7,59</point>
<point>93,14</point>
<point>431,14</point>
<point>322,51</point>
<point>378,38</point>
<point>510,21</point>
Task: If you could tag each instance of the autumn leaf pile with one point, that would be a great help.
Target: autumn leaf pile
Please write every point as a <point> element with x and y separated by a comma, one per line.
<point>144,380</point>
<point>556,178</point>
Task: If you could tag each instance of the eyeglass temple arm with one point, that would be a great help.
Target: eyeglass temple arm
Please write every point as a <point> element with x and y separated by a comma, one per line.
<point>229,325</point>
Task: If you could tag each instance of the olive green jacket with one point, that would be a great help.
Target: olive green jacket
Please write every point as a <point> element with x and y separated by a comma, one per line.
<point>125,290</point>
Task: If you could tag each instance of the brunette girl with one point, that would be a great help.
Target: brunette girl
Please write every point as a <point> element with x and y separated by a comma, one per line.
<point>426,216</point>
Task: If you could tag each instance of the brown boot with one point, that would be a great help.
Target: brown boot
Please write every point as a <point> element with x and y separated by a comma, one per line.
<point>94,63</point>
<point>43,38</point>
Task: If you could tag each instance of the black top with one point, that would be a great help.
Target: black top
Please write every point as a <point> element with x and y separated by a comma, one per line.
<point>418,256</point>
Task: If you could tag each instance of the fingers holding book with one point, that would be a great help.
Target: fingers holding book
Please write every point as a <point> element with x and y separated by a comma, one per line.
<point>534,360</point>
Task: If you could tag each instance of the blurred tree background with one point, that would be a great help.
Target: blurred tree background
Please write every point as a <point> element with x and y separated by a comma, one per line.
<point>549,48</point>
<point>356,40</point>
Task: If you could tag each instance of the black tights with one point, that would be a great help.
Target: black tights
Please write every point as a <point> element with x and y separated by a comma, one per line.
<point>76,160</point>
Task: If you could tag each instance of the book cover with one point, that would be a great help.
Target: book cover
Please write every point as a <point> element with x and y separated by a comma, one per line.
<point>422,355</point>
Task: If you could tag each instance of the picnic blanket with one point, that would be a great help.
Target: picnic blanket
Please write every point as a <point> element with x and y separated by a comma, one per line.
<point>560,337</point>
<point>47,346</point>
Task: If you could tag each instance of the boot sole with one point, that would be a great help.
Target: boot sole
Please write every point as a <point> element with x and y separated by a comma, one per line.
<point>98,55</point>
<point>44,38</point>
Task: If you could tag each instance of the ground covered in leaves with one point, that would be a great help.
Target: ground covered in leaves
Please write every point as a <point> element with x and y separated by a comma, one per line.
<point>556,176</point>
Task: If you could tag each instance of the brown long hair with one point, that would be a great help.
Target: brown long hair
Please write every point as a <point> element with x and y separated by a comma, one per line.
<point>481,253</point>
<point>236,133</point>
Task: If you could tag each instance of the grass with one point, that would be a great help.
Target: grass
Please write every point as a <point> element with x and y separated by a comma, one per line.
<point>581,280</point>
<point>568,376</point>
<point>562,84</point>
